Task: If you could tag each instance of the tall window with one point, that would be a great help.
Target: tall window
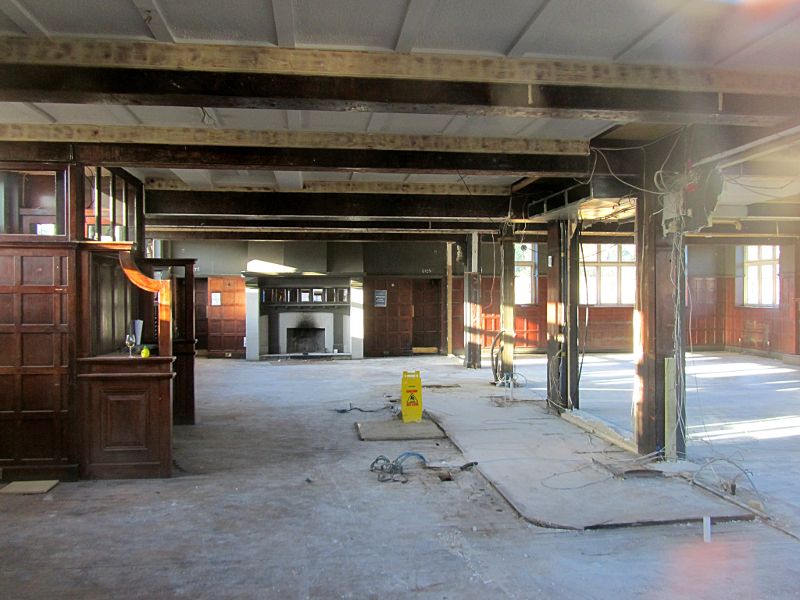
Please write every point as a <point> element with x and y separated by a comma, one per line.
<point>761,275</point>
<point>608,274</point>
<point>525,273</point>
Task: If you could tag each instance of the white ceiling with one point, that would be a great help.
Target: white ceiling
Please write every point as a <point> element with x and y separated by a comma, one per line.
<point>751,34</point>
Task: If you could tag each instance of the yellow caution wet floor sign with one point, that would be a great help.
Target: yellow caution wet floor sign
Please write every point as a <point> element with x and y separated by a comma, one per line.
<point>411,397</point>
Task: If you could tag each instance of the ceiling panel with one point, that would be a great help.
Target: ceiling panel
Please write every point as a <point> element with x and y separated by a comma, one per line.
<point>606,27</point>
<point>85,113</point>
<point>227,177</point>
<point>177,116</point>
<point>97,18</point>
<point>475,26</point>
<point>432,178</point>
<point>489,126</point>
<point>239,21</point>
<point>704,33</point>
<point>316,120</point>
<point>483,180</point>
<point>408,123</point>
<point>349,23</point>
<point>8,27</point>
<point>779,52</point>
<point>567,129</point>
<point>18,112</point>
<point>255,119</point>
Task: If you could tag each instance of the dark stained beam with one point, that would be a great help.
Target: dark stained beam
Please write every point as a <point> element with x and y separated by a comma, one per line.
<point>273,236</point>
<point>326,223</point>
<point>294,205</point>
<point>301,159</point>
<point>158,87</point>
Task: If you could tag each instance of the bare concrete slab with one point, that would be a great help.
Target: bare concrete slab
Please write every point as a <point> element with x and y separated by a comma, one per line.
<point>548,469</point>
<point>395,429</point>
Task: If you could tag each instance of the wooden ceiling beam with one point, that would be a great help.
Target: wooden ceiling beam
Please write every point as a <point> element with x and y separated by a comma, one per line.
<point>355,207</point>
<point>341,63</point>
<point>156,87</point>
<point>141,134</point>
<point>300,159</point>
<point>349,187</point>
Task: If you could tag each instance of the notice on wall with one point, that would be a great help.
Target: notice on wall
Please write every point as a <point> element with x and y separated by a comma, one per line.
<point>380,299</point>
<point>216,298</point>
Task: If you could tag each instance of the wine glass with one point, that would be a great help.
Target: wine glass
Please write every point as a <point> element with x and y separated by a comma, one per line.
<point>130,342</point>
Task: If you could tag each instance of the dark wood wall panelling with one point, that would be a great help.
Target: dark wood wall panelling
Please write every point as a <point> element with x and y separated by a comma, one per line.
<point>37,328</point>
<point>413,315</point>
<point>227,321</point>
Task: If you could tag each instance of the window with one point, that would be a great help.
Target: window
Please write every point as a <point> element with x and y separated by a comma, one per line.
<point>761,275</point>
<point>608,274</point>
<point>525,273</point>
<point>32,202</point>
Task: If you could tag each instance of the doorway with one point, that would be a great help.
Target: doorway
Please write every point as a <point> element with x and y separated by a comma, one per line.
<point>402,316</point>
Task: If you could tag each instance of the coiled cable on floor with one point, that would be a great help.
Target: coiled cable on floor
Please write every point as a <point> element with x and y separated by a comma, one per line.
<point>392,470</point>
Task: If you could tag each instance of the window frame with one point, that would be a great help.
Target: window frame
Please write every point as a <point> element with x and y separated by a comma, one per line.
<point>533,264</point>
<point>759,264</point>
<point>598,265</point>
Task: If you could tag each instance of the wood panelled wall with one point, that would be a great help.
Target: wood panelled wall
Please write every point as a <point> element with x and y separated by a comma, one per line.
<point>111,298</point>
<point>610,327</point>
<point>227,322</point>
<point>37,329</point>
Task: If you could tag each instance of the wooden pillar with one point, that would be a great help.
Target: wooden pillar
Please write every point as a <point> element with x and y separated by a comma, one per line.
<point>563,258</point>
<point>473,331</point>
<point>507,306</point>
<point>654,323</point>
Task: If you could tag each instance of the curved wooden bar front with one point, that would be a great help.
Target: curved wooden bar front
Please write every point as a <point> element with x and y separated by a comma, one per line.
<point>126,412</point>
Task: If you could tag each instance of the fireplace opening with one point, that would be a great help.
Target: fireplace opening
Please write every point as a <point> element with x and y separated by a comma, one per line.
<point>303,340</point>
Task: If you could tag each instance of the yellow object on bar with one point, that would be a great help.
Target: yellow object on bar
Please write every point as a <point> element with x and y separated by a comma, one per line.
<point>411,397</point>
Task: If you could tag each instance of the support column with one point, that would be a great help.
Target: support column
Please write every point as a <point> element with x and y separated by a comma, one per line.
<point>356,318</point>
<point>252,317</point>
<point>507,307</point>
<point>796,298</point>
<point>563,281</point>
<point>473,331</point>
<point>449,299</point>
<point>654,329</point>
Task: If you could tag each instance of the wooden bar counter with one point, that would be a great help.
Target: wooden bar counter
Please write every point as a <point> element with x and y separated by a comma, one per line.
<point>125,411</point>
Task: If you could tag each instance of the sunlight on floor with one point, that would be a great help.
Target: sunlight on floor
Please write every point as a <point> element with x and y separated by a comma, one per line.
<point>759,429</point>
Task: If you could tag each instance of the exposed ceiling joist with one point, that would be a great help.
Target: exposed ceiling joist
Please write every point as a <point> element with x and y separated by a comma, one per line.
<point>154,87</point>
<point>241,234</point>
<point>221,223</point>
<point>299,159</point>
<point>362,207</point>
<point>353,187</point>
<point>140,134</point>
<point>340,63</point>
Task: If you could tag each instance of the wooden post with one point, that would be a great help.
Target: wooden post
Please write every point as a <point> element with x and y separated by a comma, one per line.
<point>563,281</point>
<point>473,331</point>
<point>507,306</point>
<point>654,322</point>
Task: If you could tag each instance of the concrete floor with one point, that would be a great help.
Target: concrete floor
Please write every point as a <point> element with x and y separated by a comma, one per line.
<point>742,411</point>
<point>274,500</point>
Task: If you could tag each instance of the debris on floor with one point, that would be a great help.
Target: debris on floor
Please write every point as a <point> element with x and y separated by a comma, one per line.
<point>392,470</point>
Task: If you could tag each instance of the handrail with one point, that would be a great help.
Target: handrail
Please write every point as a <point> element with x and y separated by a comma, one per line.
<point>161,287</point>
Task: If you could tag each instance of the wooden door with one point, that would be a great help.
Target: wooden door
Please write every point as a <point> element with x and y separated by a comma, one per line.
<point>388,328</point>
<point>427,321</point>
<point>36,341</point>
<point>226,317</point>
